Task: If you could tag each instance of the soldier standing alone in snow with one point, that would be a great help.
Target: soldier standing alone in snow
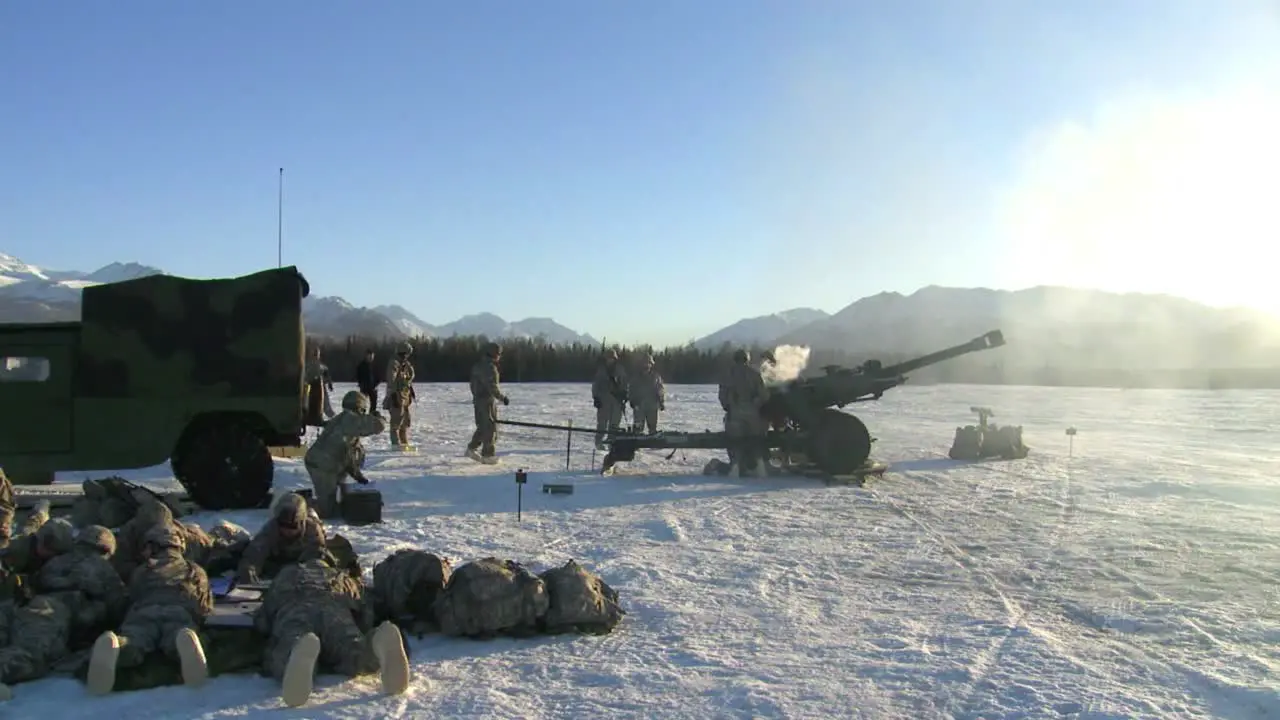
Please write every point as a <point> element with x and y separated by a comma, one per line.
<point>400,395</point>
<point>742,394</point>
<point>648,397</point>
<point>336,453</point>
<point>609,395</point>
<point>486,393</point>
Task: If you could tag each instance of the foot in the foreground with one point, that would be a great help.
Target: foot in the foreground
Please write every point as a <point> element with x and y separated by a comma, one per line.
<point>195,669</point>
<point>101,678</point>
<point>300,672</point>
<point>393,663</point>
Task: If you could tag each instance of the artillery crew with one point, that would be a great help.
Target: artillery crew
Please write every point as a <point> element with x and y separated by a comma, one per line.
<point>486,393</point>
<point>648,397</point>
<point>609,394</point>
<point>742,395</point>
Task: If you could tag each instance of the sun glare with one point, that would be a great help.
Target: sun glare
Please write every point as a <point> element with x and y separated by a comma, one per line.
<point>1152,195</point>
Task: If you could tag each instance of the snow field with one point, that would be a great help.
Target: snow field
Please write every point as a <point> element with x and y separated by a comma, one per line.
<point>1135,577</point>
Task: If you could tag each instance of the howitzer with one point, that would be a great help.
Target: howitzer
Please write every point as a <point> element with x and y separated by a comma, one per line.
<point>802,416</point>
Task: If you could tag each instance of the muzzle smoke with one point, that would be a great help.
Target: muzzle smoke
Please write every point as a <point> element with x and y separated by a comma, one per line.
<point>791,361</point>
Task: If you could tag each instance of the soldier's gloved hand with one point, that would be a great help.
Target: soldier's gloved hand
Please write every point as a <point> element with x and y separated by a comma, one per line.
<point>662,406</point>
<point>506,400</point>
<point>596,401</point>
<point>360,478</point>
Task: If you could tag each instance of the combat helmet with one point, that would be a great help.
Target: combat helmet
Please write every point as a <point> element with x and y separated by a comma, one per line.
<point>741,357</point>
<point>160,537</point>
<point>406,348</point>
<point>610,355</point>
<point>97,538</point>
<point>56,536</point>
<point>355,401</point>
<point>492,349</point>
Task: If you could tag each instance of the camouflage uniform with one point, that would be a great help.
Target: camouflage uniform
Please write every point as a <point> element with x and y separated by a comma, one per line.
<point>742,394</point>
<point>170,598</point>
<point>9,508</point>
<point>400,395</point>
<point>217,550</point>
<point>130,537</point>
<point>405,587</point>
<point>335,454</point>
<point>648,397</point>
<point>87,581</point>
<point>491,596</point>
<point>314,611</point>
<point>486,393</point>
<point>283,539</point>
<point>580,601</point>
<point>35,635</point>
<point>609,394</point>
<point>316,374</point>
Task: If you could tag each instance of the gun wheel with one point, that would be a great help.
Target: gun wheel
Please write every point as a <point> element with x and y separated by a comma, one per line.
<point>223,465</point>
<point>839,443</point>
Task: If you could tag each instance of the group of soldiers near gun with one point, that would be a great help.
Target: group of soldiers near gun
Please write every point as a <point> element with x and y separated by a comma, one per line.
<point>337,452</point>
<point>107,605</point>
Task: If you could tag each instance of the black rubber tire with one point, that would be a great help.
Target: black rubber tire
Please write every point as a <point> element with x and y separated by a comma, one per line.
<point>839,444</point>
<point>224,465</point>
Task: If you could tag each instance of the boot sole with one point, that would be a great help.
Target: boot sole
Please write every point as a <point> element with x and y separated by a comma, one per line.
<point>300,673</point>
<point>393,663</point>
<point>195,667</point>
<point>101,679</point>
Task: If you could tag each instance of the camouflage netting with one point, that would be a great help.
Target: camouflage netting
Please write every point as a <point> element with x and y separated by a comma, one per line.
<point>492,597</point>
<point>580,601</point>
<point>230,333</point>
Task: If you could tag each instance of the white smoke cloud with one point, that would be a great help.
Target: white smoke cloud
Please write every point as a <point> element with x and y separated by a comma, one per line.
<point>791,361</point>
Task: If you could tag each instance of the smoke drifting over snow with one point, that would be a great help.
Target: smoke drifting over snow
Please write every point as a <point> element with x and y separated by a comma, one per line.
<point>791,361</point>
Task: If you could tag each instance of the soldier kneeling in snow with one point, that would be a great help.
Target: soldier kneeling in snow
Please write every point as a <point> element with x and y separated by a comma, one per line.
<point>491,597</point>
<point>405,588</point>
<point>310,614</point>
<point>170,598</point>
<point>336,453</point>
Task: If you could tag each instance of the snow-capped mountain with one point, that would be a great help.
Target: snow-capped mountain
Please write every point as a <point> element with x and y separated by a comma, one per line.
<point>32,294</point>
<point>762,330</point>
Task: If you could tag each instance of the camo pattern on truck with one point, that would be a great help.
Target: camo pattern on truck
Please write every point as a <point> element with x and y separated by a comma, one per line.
<point>237,337</point>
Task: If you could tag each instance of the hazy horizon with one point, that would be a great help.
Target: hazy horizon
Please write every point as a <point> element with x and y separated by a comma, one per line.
<point>652,172</point>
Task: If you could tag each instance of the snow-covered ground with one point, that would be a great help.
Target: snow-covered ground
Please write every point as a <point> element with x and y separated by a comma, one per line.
<point>1136,577</point>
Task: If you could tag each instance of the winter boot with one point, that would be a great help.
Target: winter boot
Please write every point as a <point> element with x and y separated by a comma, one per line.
<point>474,454</point>
<point>489,460</point>
<point>735,470</point>
<point>393,663</point>
<point>300,672</point>
<point>101,678</point>
<point>195,669</point>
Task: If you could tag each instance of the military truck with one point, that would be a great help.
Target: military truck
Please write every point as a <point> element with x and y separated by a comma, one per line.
<point>207,374</point>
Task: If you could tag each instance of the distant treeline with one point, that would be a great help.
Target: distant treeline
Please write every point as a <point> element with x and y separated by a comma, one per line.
<point>524,360</point>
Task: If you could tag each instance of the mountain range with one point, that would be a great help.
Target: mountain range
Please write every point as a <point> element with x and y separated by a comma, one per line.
<point>32,294</point>
<point>1044,326</point>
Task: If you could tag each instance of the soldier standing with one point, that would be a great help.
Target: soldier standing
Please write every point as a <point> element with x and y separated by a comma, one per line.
<point>486,393</point>
<point>366,380</point>
<point>742,394</point>
<point>609,395</point>
<point>648,397</point>
<point>400,395</point>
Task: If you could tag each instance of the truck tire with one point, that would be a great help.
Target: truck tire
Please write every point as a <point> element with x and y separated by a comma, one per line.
<point>224,465</point>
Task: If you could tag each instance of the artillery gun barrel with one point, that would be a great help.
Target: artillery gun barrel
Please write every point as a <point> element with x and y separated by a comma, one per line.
<point>561,428</point>
<point>987,341</point>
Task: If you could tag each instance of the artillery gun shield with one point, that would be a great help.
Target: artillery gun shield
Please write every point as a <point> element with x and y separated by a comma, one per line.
<point>839,443</point>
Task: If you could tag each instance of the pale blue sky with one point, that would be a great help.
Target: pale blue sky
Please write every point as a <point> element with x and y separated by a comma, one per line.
<point>645,170</point>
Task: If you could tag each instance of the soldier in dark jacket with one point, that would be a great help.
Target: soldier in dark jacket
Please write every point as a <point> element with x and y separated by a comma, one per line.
<point>366,380</point>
